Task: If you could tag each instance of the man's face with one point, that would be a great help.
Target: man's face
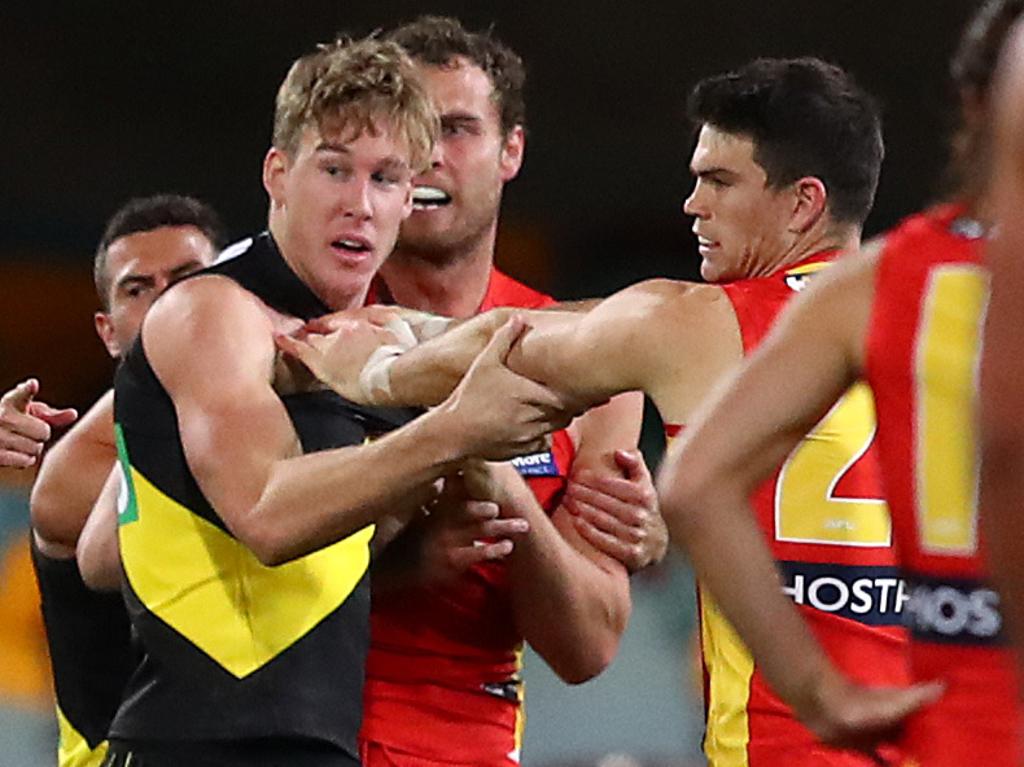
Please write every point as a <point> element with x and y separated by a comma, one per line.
<point>740,223</point>
<point>140,267</point>
<point>337,204</point>
<point>456,201</point>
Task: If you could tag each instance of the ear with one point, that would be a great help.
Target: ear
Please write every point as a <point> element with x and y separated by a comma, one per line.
<point>275,171</point>
<point>809,205</point>
<point>512,148</point>
<point>105,330</point>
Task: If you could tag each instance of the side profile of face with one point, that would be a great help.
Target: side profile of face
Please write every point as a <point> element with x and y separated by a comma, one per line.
<point>456,201</point>
<point>141,266</point>
<point>742,225</point>
<point>336,206</point>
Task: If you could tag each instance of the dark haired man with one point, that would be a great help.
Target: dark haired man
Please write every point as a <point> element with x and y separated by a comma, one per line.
<point>147,245</point>
<point>774,203</point>
<point>906,316</point>
<point>458,643</point>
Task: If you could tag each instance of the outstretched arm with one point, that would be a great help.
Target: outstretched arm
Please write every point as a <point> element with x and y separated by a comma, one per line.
<point>811,358</point>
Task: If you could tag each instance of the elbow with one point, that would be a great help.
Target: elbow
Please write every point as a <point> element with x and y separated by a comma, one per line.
<point>268,543</point>
<point>588,665</point>
<point>48,522</point>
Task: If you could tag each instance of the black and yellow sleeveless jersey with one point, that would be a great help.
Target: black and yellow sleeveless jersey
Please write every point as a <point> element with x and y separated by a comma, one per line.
<point>90,654</point>
<point>233,651</point>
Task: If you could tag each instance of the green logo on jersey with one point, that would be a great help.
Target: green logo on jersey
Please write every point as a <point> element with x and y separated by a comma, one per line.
<point>127,507</point>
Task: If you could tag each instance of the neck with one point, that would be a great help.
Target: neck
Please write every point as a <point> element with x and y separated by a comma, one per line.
<point>453,287</point>
<point>336,301</point>
<point>845,238</point>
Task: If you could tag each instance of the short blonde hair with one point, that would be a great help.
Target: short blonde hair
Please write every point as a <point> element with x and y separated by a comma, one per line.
<point>363,85</point>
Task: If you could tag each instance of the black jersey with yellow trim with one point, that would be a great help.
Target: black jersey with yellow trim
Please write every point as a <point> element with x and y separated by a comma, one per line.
<point>231,650</point>
<point>88,636</point>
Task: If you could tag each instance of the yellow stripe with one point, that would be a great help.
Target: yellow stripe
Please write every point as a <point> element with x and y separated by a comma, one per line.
<point>730,668</point>
<point>817,266</point>
<point>73,750</point>
<point>210,588</point>
<point>946,376</point>
<point>520,726</point>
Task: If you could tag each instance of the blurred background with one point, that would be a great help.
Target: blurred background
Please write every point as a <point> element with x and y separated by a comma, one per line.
<point>101,101</point>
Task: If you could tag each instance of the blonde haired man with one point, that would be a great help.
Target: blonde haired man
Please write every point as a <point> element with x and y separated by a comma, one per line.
<point>247,506</point>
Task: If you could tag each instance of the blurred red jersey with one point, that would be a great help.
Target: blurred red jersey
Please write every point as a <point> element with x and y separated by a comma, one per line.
<point>922,352</point>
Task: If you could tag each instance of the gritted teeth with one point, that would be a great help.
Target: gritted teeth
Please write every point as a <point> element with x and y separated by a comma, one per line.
<point>430,196</point>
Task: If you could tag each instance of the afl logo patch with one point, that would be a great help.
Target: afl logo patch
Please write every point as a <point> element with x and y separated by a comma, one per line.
<point>540,464</point>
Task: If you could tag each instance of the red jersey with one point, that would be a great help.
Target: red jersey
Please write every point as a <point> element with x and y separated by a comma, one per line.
<point>442,675</point>
<point>922,356</point>
<point>830,534</point>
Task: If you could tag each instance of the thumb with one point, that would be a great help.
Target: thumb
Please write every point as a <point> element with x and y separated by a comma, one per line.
<point>293,347</point>
<point>53,416</point>
<point>504,339</point>
<point>630,462</point>
<point>21,395</point>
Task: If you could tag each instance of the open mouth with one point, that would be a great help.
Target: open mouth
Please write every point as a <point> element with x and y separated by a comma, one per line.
<point>352,245</point>
<point>429,198</point>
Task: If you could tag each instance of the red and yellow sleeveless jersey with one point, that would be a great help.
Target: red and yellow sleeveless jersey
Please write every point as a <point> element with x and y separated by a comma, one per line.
<point>830,534</point>
<point>442,676</point>
<point>922,356</point>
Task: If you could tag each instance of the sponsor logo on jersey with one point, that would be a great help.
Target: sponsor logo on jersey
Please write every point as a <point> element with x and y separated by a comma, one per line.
<point>968,228</point>
<point>954,612</point>
<point>873,595</point>
<point>540,464</point>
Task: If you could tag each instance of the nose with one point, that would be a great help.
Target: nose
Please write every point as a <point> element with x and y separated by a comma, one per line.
<point>437,154</point>
<point>692,205</point>
<point>356,198</point>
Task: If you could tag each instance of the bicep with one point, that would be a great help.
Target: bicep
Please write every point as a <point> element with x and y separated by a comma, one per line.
<point>216,367</point>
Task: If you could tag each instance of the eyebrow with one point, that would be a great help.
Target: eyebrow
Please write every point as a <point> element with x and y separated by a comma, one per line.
<point>328,146</point>
<point>713,171</point>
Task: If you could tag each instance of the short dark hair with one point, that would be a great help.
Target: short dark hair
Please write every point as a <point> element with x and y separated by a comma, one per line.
<point>437,40</point>
<point>144,214</point>
<point>806,118</point>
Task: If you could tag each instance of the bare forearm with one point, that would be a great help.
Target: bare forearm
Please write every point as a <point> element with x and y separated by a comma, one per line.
<point>98,553</point>
<point>571,610</point>
<point>314,500</point>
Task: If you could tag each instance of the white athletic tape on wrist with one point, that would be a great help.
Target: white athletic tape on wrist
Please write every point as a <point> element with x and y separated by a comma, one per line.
<point>375,377</point>
<point>403,331</point>
<point>432,327</point>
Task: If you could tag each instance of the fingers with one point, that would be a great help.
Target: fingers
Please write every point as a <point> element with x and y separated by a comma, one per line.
<point>53,416</point>
<point>14,459</point>
<point>623,502</point>
<point>503,340</point>
<point>629,554</point>
<point>297,348</point>
<point>21,395</point>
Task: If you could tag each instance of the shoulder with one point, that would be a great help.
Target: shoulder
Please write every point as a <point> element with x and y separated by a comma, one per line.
<point>204,305</point>
<point>504,290</point>
<point>673,303</point>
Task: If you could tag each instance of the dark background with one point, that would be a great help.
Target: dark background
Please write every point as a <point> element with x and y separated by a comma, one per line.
<point>100,101</point>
